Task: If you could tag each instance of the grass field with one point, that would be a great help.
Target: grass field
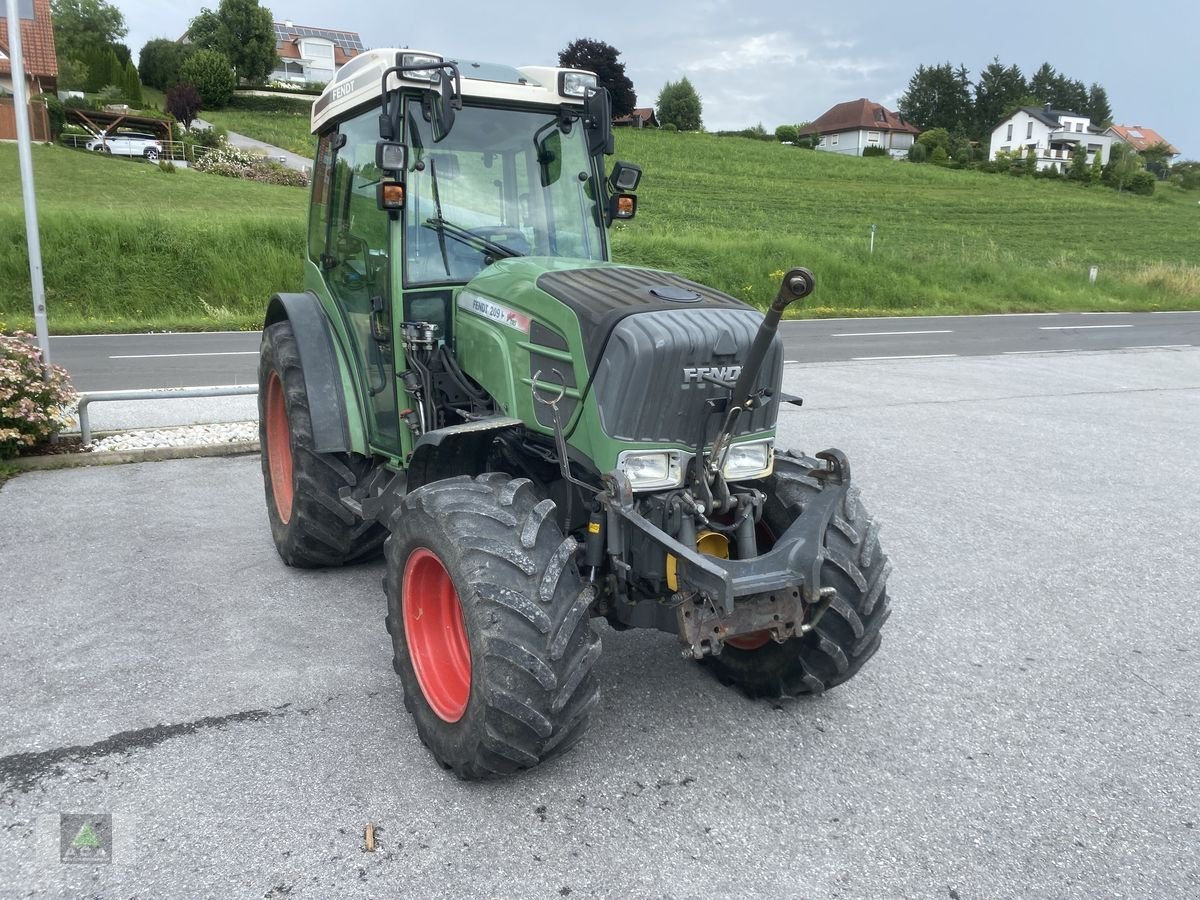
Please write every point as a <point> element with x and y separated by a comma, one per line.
<point>128,247</point>
<point>286,128</point>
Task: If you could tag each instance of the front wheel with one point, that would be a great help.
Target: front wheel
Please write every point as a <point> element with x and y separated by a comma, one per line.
<point>489,624</point>
<point>152,154</point>
<point>847,635</point>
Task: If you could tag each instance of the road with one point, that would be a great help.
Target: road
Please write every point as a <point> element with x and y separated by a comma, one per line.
<point>114,362</point>
<point>1028,729</point>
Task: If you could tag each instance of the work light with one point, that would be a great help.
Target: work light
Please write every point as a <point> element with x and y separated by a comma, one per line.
<point>575,84</point>
<point>417,59</point>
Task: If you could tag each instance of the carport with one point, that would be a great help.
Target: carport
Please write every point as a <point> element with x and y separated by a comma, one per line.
<point>102,123</point>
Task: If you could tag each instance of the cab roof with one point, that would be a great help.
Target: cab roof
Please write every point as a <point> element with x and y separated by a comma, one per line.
<point>357,84</point>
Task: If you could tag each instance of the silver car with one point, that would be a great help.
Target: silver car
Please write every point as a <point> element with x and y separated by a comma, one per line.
<point>127,143</point>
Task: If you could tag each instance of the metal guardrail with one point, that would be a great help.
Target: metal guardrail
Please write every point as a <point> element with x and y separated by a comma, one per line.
<point>175,151</point>
<point>88,397</point>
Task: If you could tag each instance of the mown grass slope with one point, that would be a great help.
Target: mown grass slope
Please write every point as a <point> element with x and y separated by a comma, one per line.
<point>127,246</point>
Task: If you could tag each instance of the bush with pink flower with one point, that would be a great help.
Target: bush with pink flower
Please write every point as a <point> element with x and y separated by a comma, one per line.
<point>34,405</point>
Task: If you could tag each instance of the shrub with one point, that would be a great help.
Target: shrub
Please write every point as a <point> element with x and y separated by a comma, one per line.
<point>56,112</point>
<point>670,126</point>
<point>166,166</point>
<point>212,74</point>
<point>917,153</point>
<point>939,156</point>
<point>234,163</point>
<point>787,134</point>
<point>874,151</point>
<point>183,102</point>
<point>289,103</point>
<point>33,408</point>
<point>1142,183</point>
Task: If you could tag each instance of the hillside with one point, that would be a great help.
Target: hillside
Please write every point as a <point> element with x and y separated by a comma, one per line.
<point>128,246</point>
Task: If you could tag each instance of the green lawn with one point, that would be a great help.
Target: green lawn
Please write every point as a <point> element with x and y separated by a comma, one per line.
<point>129,247</point>
<point>286,126</point>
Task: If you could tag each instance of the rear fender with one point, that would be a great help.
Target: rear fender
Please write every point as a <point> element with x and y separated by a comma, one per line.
<point>336,419</point>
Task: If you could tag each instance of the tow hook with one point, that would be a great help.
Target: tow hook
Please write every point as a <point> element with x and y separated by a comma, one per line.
<point>780,613</point>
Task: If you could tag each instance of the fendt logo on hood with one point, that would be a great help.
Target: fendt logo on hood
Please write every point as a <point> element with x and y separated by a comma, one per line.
<point>696,374</point>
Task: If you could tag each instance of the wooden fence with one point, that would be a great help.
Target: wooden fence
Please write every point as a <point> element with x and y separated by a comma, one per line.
<point>39,122</point>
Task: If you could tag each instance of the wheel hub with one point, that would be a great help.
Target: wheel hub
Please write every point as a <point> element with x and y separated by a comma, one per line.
<point>279,448</point>
<point>436,635</point>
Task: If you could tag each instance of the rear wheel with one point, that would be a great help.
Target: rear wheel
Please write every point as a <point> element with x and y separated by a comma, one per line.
<point>489,624</point>
<point>310,524</point>
<point>152,154</point>
<point>848,633</point>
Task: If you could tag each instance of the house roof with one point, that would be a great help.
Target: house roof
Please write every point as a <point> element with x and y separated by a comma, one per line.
<point>346,44</point>
<point>643,115</point>
<point>861,113</point>
<point>1052,118</point>
<point>37,43</point>
<point>1141,138</point>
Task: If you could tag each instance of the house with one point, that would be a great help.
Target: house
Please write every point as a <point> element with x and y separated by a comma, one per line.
<point>852,126</point>
<point>642,117</point>
<point>1139,137</point>
<point>37,49</point>
<point>40,64</point>
<point>312,54</point>
<point>1053,133</point>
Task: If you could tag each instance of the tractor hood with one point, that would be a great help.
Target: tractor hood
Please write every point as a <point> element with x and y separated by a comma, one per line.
<point>599,294</point>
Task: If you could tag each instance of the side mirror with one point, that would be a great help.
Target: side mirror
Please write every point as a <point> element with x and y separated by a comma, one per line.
<point>442,106</point>
<point>597,119</point>
<point>625,176</point>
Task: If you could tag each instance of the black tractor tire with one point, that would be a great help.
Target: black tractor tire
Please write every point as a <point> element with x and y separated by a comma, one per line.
<point>847,635</point>
<point>490,627</point>
<point>310,524</point>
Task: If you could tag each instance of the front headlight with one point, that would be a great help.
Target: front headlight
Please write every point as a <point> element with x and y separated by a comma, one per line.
<point>753,459</point>
<point>649,469</point>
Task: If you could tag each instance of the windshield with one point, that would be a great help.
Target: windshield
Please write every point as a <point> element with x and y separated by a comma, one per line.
<point>504,182</point>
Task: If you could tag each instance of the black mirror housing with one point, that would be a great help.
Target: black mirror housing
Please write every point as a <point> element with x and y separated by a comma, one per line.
<point>597,119</point>
<point>625,177</point>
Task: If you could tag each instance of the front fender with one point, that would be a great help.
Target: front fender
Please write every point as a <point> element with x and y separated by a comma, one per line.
<point>336,419</point>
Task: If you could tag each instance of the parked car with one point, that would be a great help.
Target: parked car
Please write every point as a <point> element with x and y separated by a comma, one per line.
<point>127,143</point>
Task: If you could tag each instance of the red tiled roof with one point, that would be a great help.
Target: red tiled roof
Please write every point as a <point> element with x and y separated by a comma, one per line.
<point>855,114</point>
<point>643,113</point>
<point>1141,138</point>
<point>37,43</point>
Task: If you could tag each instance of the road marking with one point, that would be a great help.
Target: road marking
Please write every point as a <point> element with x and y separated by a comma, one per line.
<point>1030,352</point>
<point>1111,313</point>
<point>1160,347</point>
<point>63,337</point>
<point>882,333</point>
<point>1080,327</point>
<point>174,355</point>
<point>914,356</point>
<point>1172,312</point>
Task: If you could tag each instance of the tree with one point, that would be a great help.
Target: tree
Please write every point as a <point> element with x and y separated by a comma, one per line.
<point>72,74</point>
<point>679,104</point>
<point>242,30</point>
<point>1097,170</point>
<point>161,61</point>
<point>1157,158</point>
<point>1079,164</point>
<point>81,26</point>
<point>1031,161</point>
<point>1041,84</point>
<point>786,134</point>
<point>183,102</point>
<point>601,58</point>
<point>212,74</point>
<point>999,90</point>
<point>938,97</point>
<point>1097,108</point>
<point>1123,164</point>
<point>133,86</point>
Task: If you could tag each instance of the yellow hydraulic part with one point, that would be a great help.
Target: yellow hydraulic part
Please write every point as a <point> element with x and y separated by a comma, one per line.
<point>711,543</point>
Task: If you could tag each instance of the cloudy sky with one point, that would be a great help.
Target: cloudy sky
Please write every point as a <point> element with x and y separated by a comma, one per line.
<point>777,61</point>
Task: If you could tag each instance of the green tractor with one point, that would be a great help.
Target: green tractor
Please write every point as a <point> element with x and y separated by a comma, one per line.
<point>535,436</point>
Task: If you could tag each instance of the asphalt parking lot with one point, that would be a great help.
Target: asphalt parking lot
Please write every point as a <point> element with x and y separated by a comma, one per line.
<point>1028,729</point>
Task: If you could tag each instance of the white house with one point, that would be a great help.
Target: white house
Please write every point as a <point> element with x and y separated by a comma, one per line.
<point>853,126</point>
<point>312,54</point>
<point>1052,133</point>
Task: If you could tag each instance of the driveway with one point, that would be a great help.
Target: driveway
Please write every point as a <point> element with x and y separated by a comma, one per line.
<point>284,157</point>
<point>1027,730</point>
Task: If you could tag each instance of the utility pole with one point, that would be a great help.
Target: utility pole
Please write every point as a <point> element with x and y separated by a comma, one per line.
<point>32,236</point>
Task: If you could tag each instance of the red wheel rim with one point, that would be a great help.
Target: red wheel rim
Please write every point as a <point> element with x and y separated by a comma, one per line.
<point>279,448</point>
<point>437,638</point>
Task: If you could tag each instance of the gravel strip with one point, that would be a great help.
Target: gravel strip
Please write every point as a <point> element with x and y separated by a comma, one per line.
<point>190,436</point>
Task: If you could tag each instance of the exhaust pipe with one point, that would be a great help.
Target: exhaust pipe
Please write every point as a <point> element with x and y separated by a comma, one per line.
<point>797,284</point>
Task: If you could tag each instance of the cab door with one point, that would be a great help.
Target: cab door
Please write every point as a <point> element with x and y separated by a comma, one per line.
<point>354,238</point>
